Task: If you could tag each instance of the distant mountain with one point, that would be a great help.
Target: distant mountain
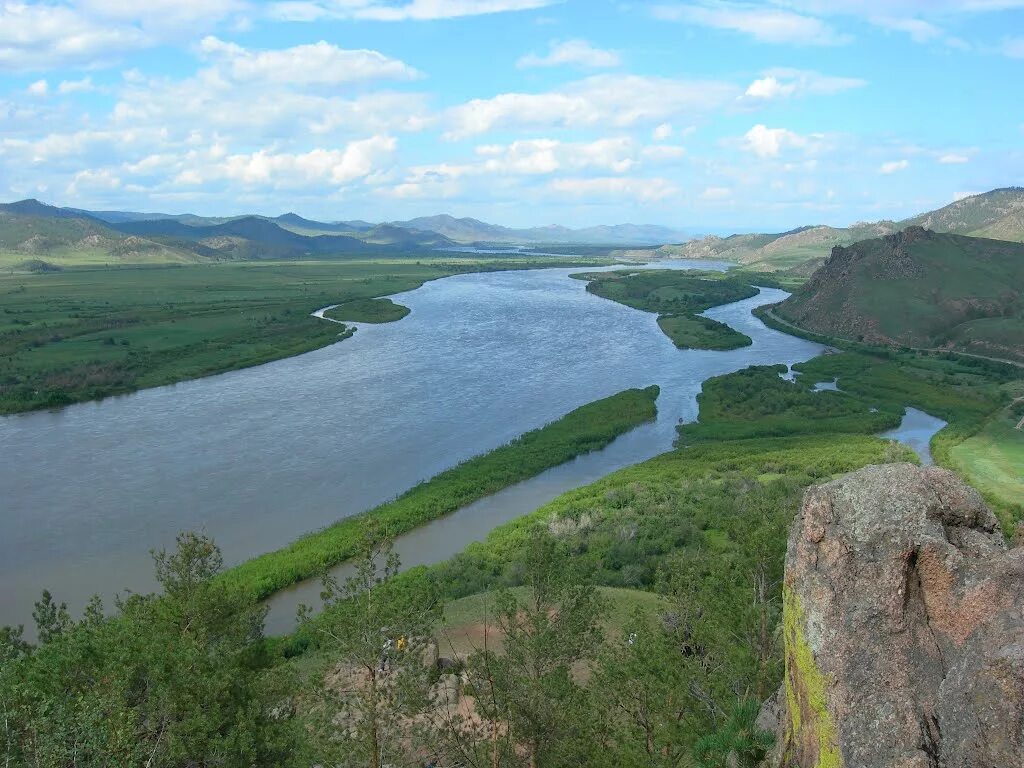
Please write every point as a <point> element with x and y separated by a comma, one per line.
<point>919,288</point>
<point>250,237</point>
<point>469,230</point>
<point>39,231</point>
<point>998,214</point>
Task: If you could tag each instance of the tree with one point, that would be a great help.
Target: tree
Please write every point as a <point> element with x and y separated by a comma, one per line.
<point>175,679</point>
<point>531,688</point>
<point>739,743</point>
<point>380,631</point>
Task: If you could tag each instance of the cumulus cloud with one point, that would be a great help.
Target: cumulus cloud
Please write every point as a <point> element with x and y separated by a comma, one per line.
<point>265,168</point>
<point>38,88</point>
<point>953,158</point>
<point>316,64</point>
<point>578,53</point>
<point>91,33</point>
<point>893,166</point>
<point>616,100</point>
<point>411,10</point>
<point>764,24</point>
<point>783,83</point>
<point>771,142</point>
<point>662,132</point>
<point>716,193</point>
<point>76,86</point>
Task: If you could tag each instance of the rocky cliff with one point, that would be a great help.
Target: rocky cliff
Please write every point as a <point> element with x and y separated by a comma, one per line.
<point>904,628</point>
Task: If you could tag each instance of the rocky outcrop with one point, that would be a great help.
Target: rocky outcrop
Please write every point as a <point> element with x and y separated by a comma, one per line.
<point>904,627</point>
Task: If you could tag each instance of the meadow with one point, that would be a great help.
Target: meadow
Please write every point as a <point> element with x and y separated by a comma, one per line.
<point>81,334</point>
<point>677,297</point>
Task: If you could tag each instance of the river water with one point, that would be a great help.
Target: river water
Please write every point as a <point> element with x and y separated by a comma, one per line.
<point>258,457</point>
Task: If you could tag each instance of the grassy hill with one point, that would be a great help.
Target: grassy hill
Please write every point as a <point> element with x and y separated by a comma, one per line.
<point>64,240</point>
<point>998,215</point>
<point>919,288</point>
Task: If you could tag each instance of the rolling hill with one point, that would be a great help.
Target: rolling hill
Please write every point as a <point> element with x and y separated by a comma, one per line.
<point>919,288</point>
<point>998,214</point>
<point>31,231</point>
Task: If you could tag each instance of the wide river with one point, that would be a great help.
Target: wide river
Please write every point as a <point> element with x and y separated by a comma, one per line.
<point>260,456</point>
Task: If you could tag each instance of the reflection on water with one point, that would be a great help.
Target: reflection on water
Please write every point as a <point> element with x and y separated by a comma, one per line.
<point>916,430</point>
<point>258,457</point>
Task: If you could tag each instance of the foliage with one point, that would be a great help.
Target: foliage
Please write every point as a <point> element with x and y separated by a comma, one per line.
<point>368,311</point>
<point>758,402</point>
<point>585,429</point>
<point>677,296</point>
<point>173,680</point>
<point>739,742</point>
<point>377,638</point>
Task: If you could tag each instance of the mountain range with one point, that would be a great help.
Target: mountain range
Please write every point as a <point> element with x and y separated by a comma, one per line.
<point>998,214</point>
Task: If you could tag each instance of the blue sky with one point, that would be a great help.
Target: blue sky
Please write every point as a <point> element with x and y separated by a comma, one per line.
<point>705,115</point>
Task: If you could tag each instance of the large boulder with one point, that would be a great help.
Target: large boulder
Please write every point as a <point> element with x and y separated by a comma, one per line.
<point>904,627</point>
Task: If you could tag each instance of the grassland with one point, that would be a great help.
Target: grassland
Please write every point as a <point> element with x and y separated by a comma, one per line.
<point>588,428</point>
<point>677,297</point>
<point>81,334</point>
<point>368,311</point>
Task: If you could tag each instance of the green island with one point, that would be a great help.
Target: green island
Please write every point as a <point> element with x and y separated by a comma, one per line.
<point>677,297</point>
<point>588,428</point>
<point>80,333</point>
<point>367,311</point>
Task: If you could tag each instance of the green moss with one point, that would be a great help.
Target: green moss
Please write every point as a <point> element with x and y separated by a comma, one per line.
<point>810,726</point>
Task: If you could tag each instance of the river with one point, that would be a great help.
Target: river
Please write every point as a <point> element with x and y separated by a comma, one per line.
<point>258,457</point>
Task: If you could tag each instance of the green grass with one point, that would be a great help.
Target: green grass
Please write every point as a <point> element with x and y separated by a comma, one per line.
<point>588,428</point>
<point>756,402</point>
<point>696,332</point>
<point>368,311</point>
<point>81,334</point>
<point>677,297</point>
<point>460,631</point>
<point>922,290</point>
<point>993,462</point>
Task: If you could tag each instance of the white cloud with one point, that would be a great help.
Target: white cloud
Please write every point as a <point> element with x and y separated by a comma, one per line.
<point>315,64</point>
<point>662,132</point>
<point>1013,47</point>
<point>783,83</point>
<point>91,33</point>
<point>893,166</point>
<point>953,158</point>
<point>642,190</point>
<point>764,24</point>
<point>616,100</point>
<point>663,152</point>
<point>38,88</point>
<point>411,10</point>
<point>76,86</point>
<point>771,142</point>
<point>578,53</point>
<point>716,193</point>
<point>333,167</point>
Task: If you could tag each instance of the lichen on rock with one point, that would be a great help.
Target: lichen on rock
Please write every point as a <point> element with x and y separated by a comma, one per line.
<point>903,626</point>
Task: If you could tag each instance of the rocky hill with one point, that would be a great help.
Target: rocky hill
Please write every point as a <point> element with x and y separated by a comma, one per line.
<point>918,288</point>
<point>903,628</point>
<point>998,214</point>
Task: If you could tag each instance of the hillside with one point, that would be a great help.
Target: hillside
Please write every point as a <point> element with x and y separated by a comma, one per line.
<point>919,288</point>
<point>67,239</point>
<point>998,214</point>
